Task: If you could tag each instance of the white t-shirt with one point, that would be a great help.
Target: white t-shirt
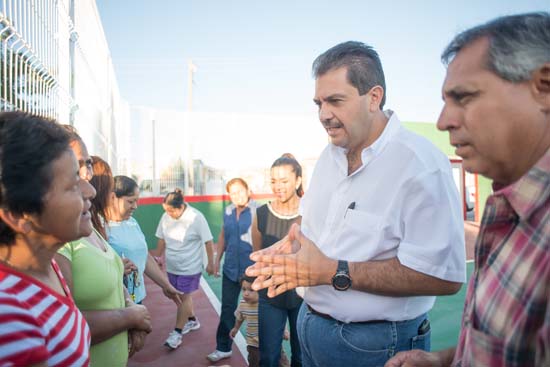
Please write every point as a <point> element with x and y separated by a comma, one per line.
<point>405,204</point>
<point>185,238</point>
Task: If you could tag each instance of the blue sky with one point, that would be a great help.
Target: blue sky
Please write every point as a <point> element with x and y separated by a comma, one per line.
<point>255,56</point>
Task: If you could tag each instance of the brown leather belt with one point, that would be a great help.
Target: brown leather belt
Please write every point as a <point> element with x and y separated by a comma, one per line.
<point>328,317</point>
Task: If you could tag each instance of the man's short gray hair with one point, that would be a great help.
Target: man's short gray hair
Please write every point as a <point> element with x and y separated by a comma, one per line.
<point>518,44</point>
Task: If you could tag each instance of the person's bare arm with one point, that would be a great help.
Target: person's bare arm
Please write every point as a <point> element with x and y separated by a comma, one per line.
<point>210,254</point>
<point>420,358</point>
<point>391,278</point>
<point>153,271</point>
<point>256,235</point>
<point>106,323</point>
<point>136,341</point>
<point>159,251</point>
<point>296,261</point>
<point>129,266</point>
<point>233,332</point>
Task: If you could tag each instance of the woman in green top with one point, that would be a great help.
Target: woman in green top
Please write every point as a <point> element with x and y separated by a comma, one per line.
<point>94,273</point>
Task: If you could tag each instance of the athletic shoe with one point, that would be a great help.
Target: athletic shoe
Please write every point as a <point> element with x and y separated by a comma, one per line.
<point>191,325</point>
<point>174,340</point>
<point>217,355</point>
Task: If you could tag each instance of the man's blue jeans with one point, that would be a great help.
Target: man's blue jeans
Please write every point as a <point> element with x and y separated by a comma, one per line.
<point>272,323</point>
<point>328,342</point>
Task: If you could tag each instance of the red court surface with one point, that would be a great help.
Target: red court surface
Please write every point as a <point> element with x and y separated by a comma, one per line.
<point>196,345</point>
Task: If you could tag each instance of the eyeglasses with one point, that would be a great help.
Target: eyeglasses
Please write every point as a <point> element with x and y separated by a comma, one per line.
<point>86,168</point>
<point>88,163</point>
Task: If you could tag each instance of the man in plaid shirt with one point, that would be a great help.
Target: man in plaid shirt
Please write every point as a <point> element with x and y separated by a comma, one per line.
<point>497,113</point>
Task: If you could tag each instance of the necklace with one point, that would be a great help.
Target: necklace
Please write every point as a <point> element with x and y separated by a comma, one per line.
<point>283,213</point>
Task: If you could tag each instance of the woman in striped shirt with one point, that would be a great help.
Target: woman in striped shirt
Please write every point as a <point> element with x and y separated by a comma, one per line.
<point>43,204</point>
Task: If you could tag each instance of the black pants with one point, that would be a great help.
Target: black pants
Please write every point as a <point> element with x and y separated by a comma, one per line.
<point>230,297</point>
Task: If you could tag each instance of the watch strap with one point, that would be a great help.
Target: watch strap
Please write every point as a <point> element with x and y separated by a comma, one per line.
<point>343,267</point>
<point>341,281</point>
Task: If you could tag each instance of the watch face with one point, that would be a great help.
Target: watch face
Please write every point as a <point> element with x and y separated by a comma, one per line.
<point>341,282</point>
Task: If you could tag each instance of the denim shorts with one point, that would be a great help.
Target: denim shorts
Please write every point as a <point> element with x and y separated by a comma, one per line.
<point>329,342</point>
<point>185,283</point>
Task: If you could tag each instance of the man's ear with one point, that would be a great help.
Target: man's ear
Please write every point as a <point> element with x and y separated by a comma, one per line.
<point>540,82</point>
<point>376,96</point>
<point>17,222</point>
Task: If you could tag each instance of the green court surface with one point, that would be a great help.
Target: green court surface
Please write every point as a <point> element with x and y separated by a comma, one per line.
<point>446,316</point>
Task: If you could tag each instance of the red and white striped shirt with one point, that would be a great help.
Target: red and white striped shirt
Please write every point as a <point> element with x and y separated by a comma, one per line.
<point>38,324</point>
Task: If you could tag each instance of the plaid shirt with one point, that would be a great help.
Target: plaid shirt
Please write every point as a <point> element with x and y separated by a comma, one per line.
<point>506,318</point>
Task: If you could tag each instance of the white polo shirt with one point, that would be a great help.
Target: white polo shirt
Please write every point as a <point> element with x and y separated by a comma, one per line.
<point>405,204</point>
<point>185,239</point>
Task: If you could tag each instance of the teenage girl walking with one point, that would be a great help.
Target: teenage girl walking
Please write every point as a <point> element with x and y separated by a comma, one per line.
<point>183,232</point>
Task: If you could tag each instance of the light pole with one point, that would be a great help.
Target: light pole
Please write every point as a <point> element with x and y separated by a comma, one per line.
<point>191,69</point>
<point>155,183</point>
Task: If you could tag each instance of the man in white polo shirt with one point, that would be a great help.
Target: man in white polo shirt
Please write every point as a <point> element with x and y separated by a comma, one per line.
<point>382,232</point>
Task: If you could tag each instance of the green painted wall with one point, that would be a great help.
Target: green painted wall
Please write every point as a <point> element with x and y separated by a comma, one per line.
<point>485,190</point>
<point>446,316</point>
<point>148,217</point>
<point>441,140</point>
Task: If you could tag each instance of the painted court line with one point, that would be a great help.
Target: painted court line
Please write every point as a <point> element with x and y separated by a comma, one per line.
<point>215,302</point>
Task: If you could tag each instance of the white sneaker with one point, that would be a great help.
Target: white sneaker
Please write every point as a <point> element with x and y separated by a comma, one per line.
<point>217,355</point>
<point>190,325</point>
<point>174,340</point>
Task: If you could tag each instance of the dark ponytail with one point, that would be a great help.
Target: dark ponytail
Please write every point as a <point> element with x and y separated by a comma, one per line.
<point>174,199</point>
<point>288,159</point>
<point>103,182</point>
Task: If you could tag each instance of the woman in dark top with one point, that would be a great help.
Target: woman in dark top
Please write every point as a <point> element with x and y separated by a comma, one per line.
<point>272,222</point>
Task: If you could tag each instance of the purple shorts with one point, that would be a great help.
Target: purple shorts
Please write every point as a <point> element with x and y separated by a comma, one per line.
<point>185,283</point>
